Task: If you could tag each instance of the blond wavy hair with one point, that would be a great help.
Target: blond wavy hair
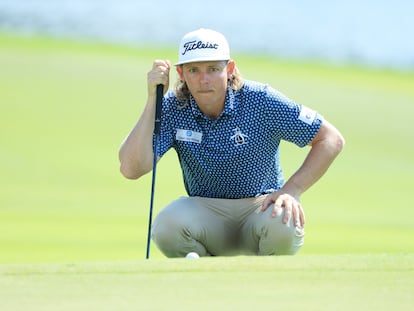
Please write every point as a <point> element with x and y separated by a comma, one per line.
<point>235,82</point>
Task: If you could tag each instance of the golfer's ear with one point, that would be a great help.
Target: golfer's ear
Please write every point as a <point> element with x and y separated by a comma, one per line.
<point>230,67</point>
<point>179,70</point>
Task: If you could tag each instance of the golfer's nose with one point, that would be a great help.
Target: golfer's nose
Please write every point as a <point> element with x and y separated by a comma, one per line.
<point>203,77</point>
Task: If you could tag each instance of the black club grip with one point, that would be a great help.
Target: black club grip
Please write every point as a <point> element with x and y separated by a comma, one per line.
<point>158,108</point>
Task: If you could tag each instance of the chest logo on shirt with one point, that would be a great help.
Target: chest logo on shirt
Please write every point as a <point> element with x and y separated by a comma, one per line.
<point>239,138</point>
<point>189,136</point>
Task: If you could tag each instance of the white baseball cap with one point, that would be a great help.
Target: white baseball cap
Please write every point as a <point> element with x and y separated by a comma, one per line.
<point>203,45</point>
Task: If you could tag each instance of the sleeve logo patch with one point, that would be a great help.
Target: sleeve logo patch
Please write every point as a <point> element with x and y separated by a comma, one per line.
<point>307,115</point>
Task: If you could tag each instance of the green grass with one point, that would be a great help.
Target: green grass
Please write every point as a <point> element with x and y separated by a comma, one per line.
<point>315,283</point>
<point>66,106</point>
<point>73,230</point>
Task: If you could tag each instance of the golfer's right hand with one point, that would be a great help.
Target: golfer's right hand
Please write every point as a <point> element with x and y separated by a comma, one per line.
<point>159,74</point>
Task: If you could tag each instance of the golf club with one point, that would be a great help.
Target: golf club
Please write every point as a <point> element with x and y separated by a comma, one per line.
<point>157,126</point>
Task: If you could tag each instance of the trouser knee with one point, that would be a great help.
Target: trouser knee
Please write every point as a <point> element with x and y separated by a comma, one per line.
<point>277,238</point>
<point>175,235</point>
<point>267,235</point>
<point>166,235</point>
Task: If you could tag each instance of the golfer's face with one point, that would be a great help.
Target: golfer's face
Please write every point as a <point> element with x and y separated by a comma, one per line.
<point>207,82</point>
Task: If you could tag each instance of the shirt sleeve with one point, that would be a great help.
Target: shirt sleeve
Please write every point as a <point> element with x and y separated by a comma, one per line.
<point>290,121</point>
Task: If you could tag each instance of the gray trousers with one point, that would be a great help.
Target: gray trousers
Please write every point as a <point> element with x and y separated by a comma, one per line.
<point>223,227</point>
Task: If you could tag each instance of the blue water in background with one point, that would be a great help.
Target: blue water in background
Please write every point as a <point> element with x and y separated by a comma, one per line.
<point>374,33</point>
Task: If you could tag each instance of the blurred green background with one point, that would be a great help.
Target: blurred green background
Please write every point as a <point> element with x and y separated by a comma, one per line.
<point>65,107</point>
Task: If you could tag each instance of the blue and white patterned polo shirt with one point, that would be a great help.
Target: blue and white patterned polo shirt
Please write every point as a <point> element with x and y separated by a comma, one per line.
<point>236,155</point>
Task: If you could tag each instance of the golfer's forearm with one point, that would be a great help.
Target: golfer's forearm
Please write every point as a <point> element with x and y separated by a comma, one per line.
<point>136,154</point>
<point>317,162</point>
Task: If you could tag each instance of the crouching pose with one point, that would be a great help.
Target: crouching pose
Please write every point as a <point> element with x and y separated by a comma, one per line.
<point>227,132</point>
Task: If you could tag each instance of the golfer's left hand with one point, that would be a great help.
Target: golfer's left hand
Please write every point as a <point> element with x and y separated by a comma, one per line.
<point>292,206</point>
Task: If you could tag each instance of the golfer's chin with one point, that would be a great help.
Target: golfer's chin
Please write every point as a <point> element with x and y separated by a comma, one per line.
<point>205,97</point>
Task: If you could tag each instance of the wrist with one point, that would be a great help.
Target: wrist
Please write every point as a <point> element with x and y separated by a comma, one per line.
<point>292,188</point>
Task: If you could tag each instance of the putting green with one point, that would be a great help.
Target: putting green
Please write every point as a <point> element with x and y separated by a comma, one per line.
<point>65,108</point>
<point>335,282</point>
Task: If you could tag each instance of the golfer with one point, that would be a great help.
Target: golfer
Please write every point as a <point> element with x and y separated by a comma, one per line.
<point>226,132</point>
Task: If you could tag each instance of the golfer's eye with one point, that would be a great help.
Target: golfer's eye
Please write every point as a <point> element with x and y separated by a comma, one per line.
<point>214,69</point>
<point>192,70</point>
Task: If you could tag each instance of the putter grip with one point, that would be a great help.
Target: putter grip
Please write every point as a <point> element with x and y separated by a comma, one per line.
<point>158,108</point>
